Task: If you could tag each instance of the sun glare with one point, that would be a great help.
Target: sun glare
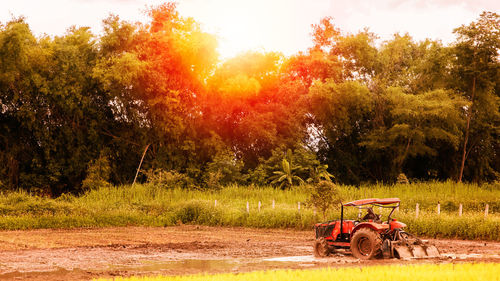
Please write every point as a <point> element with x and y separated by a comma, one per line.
<point>238,33</point>
<point>246,25</point>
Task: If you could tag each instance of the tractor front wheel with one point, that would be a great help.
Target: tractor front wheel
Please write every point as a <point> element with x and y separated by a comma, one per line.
<point>321,248</point>
<point>366,244</point>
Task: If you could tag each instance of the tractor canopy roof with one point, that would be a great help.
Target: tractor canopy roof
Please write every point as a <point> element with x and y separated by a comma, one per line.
<point>377,201</point>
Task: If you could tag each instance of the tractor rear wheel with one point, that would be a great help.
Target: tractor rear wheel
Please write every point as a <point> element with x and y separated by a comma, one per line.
<point>321,248</point>
<point>366,244</point>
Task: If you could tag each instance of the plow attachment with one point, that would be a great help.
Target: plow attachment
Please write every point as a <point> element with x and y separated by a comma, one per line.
<point>416,251</point>
<point>407,246</point>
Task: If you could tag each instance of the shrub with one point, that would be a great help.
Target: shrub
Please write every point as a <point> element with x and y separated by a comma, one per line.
<point>168,179</point>
<point>224,168</point>
<point>98,173</point>
<point>324,196</point>
<point>402,179</point>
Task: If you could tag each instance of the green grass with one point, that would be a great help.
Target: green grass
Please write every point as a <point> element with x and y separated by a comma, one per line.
<point>441,272</point>
<point>150,205</point>
<point>428,194</point>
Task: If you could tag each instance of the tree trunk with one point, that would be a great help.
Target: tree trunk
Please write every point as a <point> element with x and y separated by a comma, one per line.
<point>140,164</point>
<point>467,131</point>
<point>401,162</point>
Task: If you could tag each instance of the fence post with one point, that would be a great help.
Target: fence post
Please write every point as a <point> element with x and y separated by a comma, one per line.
<point>259,205</point>
<point>460,210</point>
<point>359,214</point>
<point>248,208</point>
<point>215,203</point>
<point>416,211</point>
<point>439,209</point>
<point>298,206</point>
<point>273,203</point>
<point>486,210</point>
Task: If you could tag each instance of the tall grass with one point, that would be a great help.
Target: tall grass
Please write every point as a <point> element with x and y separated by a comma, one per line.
<point>449,194</point>
<point>155,206</point>
<point>450,272</point>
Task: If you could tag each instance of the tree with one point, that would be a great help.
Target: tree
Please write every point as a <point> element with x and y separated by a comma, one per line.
<point>414,66</point>
<point>156,74</point>
<point>319,173</point>
<point>286,177</point>
<point>50,107</point>
<point>334,56</point>
<point>476,71</point>
<point>340,116</point>
<point>420,123</point>
<point>16,44</point>
<point>358,55</point>
<point>298,156</point>
<point>249,108</point>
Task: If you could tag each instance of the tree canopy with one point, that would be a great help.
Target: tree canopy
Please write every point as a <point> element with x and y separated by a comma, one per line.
<point>79,110</point>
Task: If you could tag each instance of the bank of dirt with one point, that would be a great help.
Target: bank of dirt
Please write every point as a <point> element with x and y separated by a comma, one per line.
<point>83,254</point>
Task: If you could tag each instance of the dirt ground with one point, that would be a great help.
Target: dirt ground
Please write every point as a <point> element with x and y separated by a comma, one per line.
<point>84,254</point>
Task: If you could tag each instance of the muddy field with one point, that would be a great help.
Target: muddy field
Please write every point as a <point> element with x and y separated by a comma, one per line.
<point>83,254</point>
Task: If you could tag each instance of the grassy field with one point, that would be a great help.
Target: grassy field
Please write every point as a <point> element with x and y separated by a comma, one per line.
<point>450,272</point>
<point>155,206</point>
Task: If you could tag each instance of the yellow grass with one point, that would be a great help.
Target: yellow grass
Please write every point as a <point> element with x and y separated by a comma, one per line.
<point>441,272</point>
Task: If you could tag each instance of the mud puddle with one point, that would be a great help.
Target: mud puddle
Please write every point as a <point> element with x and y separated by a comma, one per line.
<point>297,259</point>
<point>221,265</point>
<point>190,264</point>
<point>469,256</point>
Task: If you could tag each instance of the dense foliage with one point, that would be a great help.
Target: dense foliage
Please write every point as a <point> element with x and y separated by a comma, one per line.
<point>77,111</point>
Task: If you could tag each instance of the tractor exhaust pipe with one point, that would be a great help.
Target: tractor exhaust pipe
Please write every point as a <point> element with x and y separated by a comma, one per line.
<point>341,219</point>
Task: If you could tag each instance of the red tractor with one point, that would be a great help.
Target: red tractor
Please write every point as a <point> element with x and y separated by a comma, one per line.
<point>369,237</point>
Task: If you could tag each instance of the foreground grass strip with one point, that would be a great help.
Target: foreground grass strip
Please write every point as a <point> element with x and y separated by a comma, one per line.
<point>442,272</point>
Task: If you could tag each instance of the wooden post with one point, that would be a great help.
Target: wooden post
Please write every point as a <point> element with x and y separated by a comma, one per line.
<point>416,211</point>
<point>486,210</point>
<point>273,204</point>
<point>460,210</point>
<point>314,212</point>
<point>298,206</point>
<point>248,208</point>
<point>359,214</point>
<point>215,203</point>
<point>439,209</point>
<point>259,205</point>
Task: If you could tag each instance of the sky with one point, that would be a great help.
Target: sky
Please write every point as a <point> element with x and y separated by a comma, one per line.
<point>263,25</point>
